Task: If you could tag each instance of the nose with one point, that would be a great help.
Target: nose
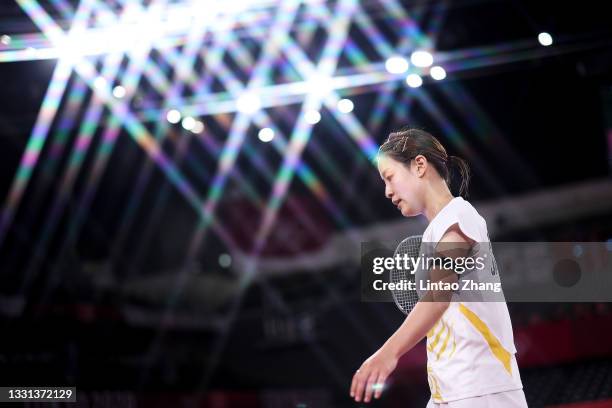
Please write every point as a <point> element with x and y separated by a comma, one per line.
<point>388,192</point>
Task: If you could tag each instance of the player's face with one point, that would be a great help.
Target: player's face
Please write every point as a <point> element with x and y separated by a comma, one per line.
<point>402,186</point>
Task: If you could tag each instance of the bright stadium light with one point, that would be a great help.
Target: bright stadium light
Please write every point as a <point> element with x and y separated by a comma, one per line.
<point>320,85</point>
<point>5,39</point>
<point>157,49</point>
<point>438,73</point>
<point>248,103</point>
<point>198,127</point>
<point>68,53</point>
<point>188,123</point>
<point>266,134</point>
<point>135,30</point>
<point>312,117</point>
<point>545,39</point>
<point>414,80</point>
<point>100,82</point>
<point>396,65</point>
<point>118,92</point>
<point>173,116</point>
<point>345,105</point>
<point>421,59</point>
<point>225,260</point>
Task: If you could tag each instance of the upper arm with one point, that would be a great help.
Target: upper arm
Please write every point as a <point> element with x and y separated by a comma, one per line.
<point>453,244</point>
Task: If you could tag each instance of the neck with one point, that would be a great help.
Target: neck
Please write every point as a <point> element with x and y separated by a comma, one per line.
<point>436,199</point>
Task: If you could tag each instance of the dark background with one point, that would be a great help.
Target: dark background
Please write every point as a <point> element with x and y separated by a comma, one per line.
<point>117,308</point>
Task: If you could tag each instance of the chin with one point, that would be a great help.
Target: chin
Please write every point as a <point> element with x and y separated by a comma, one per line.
<point>407,213</point>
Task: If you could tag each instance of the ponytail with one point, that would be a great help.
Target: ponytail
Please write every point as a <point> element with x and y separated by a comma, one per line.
<point>464,172</point>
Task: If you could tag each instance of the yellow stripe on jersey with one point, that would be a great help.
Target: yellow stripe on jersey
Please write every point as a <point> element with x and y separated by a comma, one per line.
<point>444,343</point>
<point>454,345</point>
<point>497,349</point>
<point>434,387</point>
<point>437,339</point>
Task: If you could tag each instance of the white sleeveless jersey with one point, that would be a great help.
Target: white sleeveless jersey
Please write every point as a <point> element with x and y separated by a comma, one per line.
<point>470,350</point>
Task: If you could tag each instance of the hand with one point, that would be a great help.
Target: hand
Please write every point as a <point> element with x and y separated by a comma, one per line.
<point>371,376</point>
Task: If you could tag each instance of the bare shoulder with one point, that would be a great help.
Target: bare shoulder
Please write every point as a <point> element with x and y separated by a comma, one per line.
<point>454,234</point>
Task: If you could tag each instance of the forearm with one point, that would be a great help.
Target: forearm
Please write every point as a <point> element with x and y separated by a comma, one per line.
<point>429,310</point>
<point>416,325</point>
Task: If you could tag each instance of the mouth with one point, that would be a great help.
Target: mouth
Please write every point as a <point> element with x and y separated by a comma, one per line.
<point>397,203</point>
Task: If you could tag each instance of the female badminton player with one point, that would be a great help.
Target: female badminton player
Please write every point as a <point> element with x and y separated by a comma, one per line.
<point>470,346</point>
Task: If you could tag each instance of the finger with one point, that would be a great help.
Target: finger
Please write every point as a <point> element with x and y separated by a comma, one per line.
<point>362,377</point>
<point>370,387</point>
<point>354,383</point>
<point>380,385</point>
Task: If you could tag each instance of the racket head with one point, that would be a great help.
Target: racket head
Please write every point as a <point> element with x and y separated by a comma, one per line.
<point>406,299</point>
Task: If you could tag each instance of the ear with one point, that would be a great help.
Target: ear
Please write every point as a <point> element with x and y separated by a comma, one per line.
<point>421,164</point>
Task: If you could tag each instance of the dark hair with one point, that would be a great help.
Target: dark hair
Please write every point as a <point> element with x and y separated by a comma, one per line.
<point>407,143</point>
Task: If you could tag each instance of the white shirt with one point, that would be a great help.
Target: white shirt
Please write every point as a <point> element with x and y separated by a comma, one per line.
<point>470,350</point>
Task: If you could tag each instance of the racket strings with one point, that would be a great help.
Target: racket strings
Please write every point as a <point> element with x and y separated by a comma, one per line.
<point>406,298</point>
